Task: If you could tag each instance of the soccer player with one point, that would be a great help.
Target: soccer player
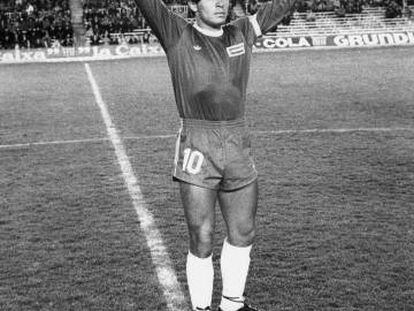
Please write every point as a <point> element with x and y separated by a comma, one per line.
<point>209,62</point>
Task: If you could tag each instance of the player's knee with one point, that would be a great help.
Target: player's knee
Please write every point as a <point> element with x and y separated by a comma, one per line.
<point>248,235</point>
<point>243,235</point>
<point>201,240</point>
<point>201,236</point>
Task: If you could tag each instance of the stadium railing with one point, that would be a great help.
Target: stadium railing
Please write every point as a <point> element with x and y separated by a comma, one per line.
<point>372,20</point>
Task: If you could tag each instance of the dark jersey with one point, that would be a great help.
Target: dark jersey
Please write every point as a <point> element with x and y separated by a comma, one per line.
<point>210,74</point>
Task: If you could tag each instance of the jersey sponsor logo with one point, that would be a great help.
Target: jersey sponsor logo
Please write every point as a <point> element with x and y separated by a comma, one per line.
<point>236,50</point>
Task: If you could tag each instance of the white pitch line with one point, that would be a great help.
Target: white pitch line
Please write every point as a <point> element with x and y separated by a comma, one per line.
<point>339,130</point>
<point>54,142</point>
<point>163,265</point>
<point>275,132</point>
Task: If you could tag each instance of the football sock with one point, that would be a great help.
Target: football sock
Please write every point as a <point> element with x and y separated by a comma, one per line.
<point>200,276</point>
<point>234,264</point>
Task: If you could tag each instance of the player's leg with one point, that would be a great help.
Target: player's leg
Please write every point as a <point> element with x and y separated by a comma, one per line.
<point>199,206</point>
<point>239,212</point>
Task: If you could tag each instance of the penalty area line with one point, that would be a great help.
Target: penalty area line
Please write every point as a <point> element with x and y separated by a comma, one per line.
<point>338,130</point>
<point>269,132</point>
<point>54,142</point>
<point>160,257</point>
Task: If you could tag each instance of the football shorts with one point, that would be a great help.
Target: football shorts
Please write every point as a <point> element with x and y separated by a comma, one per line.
<point>214,154</point>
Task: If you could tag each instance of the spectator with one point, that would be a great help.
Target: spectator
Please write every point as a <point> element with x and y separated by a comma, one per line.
<point>95,39</point>
<point>35,23</point>
<point>29,9</point>
<point>106,40</point>
<point>393,10</point>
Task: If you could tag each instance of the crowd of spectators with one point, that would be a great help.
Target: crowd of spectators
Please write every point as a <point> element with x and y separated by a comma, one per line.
<point>35,24</point>
<point>340,6</point>
<point>105,17</point>
<point>394,8</point>
<point>114,21</point>
<point>41,23</point>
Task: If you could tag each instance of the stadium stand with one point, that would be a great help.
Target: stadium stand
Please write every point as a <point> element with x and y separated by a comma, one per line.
<point>35,24</point>
<point>371,19</point>
<point>44,23</point>
<point>115,22</point>
<point>103,18</point>
<point>313,17</point>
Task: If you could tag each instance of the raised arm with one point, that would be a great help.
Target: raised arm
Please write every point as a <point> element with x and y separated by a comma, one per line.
<point>271,13</point>
<point>166,25</point>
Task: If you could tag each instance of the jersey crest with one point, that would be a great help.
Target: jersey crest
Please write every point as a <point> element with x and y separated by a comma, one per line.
<point>236,50</point>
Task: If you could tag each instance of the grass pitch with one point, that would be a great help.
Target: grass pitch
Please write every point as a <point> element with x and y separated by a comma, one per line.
<point>334,142</point>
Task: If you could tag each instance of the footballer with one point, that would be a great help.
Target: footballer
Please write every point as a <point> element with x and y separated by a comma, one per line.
<point>209,61</point>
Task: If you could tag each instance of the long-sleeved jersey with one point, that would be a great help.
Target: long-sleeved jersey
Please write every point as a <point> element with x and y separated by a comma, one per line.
<point>210,73</point>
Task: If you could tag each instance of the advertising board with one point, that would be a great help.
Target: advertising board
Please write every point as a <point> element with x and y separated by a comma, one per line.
<point>265,43</point>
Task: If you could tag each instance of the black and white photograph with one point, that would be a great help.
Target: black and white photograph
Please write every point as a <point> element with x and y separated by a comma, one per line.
<point>221,155</point>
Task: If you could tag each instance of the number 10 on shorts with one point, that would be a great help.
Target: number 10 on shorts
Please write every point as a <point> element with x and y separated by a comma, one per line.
<point>193,160</point>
